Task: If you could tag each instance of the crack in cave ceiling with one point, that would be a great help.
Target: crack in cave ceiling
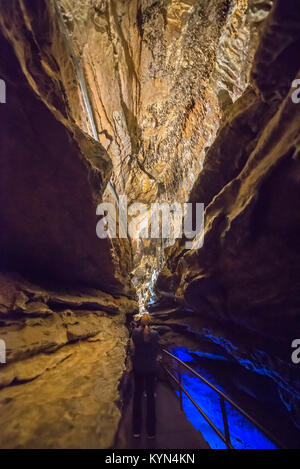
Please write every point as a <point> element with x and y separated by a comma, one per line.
<point>159,76</point>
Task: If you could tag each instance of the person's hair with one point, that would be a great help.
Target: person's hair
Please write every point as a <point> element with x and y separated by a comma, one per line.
<point>145,321</point>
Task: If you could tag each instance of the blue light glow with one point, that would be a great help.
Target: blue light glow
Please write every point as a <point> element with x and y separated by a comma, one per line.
<point>244,435</point>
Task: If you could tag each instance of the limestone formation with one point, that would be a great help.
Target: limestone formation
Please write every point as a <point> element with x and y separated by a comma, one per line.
<point>64,325</point>
<point>247,272</point>
<point>161,101</point>
<point>160,74</point>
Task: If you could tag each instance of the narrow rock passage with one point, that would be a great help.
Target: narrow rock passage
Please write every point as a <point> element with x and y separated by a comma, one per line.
<point>110,109</point>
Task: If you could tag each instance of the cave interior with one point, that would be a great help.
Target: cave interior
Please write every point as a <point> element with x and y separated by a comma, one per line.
<point>148,101</point>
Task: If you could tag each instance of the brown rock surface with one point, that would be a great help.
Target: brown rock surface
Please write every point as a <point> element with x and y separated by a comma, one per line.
<point>64,329</point>
<point>159,76</point>
<point>66,399</point>
<point>65,353</point>
<point>58,173</point>
<point>154,70</point>
<point>247,272</point>
<point>245,225</point>
<point>36,320</point>
<point>178,117</point>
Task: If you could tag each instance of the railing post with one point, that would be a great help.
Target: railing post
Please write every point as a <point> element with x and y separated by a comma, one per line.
<point>180,392</point>
<point>225,437</point>
<point>225,422</point>
<point>177,365</point>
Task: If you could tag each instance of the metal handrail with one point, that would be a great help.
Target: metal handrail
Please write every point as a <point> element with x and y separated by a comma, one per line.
<point>223,397</point>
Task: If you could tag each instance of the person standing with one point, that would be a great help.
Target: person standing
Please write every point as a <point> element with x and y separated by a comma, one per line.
<point>144,346</point>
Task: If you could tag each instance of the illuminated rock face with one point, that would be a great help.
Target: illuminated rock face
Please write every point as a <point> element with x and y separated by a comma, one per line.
<point>160,74</point>
<point>161,77</point>
<point>65,340</point>
<point>247,272</point>
<point>65,353</point>
<point>248,259</point>
<point>50,232</point>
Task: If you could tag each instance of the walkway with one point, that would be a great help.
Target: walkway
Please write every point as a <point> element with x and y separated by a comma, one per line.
<point>174,431</point>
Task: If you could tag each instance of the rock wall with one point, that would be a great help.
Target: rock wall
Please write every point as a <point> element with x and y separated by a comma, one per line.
<point>63,296</point>
<point>179,117</point>
<point>62,171</point>
<point>65,353</point>
<point>154,71</point>
<point>160,75</point>
<point>247,272</point>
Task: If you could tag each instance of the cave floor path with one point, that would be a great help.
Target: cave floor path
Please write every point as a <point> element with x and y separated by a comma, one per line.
<point>174,430</point>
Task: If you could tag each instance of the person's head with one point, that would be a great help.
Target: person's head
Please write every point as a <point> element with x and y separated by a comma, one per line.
<point>145,319</point>
<point>136,320</point>
<point>145,323</point>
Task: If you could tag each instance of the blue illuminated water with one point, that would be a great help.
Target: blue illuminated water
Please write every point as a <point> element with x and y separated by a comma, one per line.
<point>243,434</point>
